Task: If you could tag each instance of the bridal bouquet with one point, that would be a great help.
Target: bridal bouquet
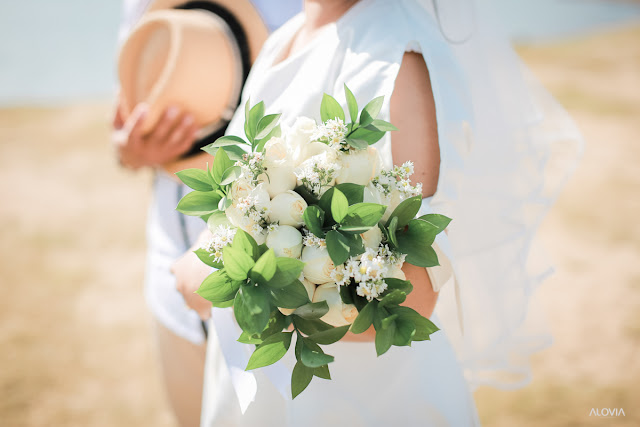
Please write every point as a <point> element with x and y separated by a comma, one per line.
<point>309,235</point>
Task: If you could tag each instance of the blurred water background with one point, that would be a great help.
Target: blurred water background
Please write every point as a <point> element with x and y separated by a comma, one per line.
<point>57,52</point>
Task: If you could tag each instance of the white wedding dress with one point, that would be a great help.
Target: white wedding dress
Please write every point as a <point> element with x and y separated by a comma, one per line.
<point>423,385</point>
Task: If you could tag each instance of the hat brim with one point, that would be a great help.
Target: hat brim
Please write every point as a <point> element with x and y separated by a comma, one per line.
<point>243,11</point>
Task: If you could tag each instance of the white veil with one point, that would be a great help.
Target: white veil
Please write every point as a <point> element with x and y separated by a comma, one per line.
<point>520,147</point>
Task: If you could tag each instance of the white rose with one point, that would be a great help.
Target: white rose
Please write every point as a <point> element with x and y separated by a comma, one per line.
<point>339,313</point>
<point>372,237</point>
<point>278,178</point>
<point>327,159</point>
<point>359,166</point>
<point>285,241</point>
<point>311,289</point>
<point>275,150</point>
<point>287,209</point>
<point>261,198</point>
<point>372,195</point>
<point>237,217</point>
<point>217,219</point>
<point>240,189</point>
<point>318,265</point>
<point>299,136</point>
<point>395,272</point>
<point>393,200</point>
<point>260,237</point>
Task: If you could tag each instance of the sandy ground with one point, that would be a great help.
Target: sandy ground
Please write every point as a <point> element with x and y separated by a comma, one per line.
<point>74,331</point>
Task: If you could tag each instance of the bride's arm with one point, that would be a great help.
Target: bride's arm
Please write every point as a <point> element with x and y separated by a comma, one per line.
<point>413,112</point>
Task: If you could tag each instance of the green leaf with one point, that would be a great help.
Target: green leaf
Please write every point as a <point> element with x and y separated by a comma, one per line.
<point>300,378</point>
<point>397,284</point>
<point>385,338</point>
<point>330,109</point>
<point>394,297</point>
<point>339,205</point>
<point>364,319</point>
<point>221,163</point>
<point>371,111</point>
<point>337,246</point>
<point>405,211</point>
<point>330,336</point>
<point>235,152</point>
<point>358,144</point>
<point>246,338</point>
<point>439,221</point>
<point>416,242</point>
<point>361,217</point>
<point>287,271</point>
<point>230,175</point>
<point>352,104</point>
<point>391,231</point>
<point>277,322</point>
<point>313,218</point>
<point>312,310</point>
<point>265,267</point>
<point>251,308</point>
<point>223,304</point>
<point>197,203</point>
<point>207,258</point>
<point>224,203</point>
<point>382,126</point>
<point>260,143</point>
<point>266,125</point>
<point>251,120</point>
<point>356,245</point>
<point>353,192</point>
<point>237,263</point>
<point>310,326</point>
<point>405,331</point>
<point>270,351</point>
<point>196,179</point>
<point>245,243</point>
<point>363,134</point>
<point>322,372</point>
<point>292,296</point>
<point>388,321</point>
<point>218,287</point>
<point>312,358</point>
<point>307,195</point>
<point>224,141</point>
<point>424,326</point>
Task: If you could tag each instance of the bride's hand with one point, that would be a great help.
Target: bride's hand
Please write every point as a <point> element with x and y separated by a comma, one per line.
<point>190,272</point>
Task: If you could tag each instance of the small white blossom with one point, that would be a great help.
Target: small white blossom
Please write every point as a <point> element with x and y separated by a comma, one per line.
<point>310,239</point>
<point>397,179</point>
<point>222,236</point>
<point>332,133</point>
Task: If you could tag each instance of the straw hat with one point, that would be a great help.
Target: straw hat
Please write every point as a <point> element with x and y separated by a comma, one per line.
<point>187,54</point>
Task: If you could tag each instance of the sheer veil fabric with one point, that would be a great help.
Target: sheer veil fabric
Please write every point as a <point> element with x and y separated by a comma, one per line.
<point>515,153</point>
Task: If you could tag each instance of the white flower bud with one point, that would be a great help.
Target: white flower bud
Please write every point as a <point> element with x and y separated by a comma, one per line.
<point>311,289</point>
<point>275,151</point>
<point>318,265</point>
<point>260,237</point>
<point>240,189</point>
<point>217,219</point>
<point>298,137</point>
<point>372,195</point>
<point>395,272</point>
<point>394,199</point>
<point>372,237</point>
<point>287,209</point>
<point>339,313</point>
<point>359,166</point>
<point>278,178</point>
<point>285,241</point>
